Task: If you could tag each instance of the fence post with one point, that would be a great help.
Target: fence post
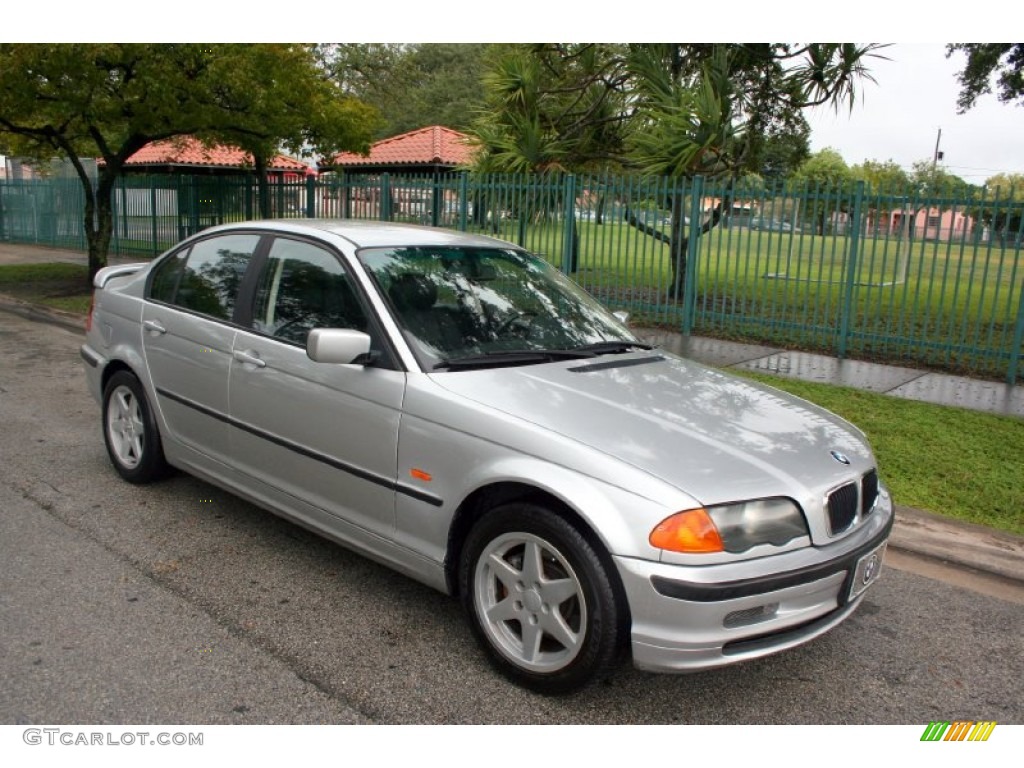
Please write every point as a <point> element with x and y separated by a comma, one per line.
<point>247,193</point>
<point>385,197</point>
<point>1018,337</point>
<point>194,205</point>
<point>311,185</point>
<point>436,200</point>
<point>853,252</point>
<point>569,256</point>
<point>152,215</point>
<point>123,212</point>
<point>463,201</point>
<point>690,279</point>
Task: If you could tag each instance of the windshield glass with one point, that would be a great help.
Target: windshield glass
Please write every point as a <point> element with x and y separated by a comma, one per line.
<point>457,303</point>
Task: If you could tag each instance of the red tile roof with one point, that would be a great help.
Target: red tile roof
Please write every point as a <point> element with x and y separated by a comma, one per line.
<point>192,152</point>
<point>434,145</point>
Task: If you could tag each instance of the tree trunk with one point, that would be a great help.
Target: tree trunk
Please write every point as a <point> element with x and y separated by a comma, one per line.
<point>678,240</point>
<point>262,185</point>
<point>99,218</point>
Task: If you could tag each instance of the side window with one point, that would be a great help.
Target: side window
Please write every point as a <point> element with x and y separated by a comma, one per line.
<point>303,287</point>
<point>212,273</point>
<point>166,278</point>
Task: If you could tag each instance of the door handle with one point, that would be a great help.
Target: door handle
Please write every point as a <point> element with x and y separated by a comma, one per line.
<point>154,326</point>
<point>249,357</point>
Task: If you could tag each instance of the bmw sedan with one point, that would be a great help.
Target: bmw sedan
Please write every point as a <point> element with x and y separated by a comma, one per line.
<point>452,406</point>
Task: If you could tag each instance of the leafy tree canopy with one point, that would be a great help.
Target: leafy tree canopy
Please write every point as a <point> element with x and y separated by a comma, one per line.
<point>931,180</point>
<point>1004,61</point>
<point>826,168</point>
<point>881,178</point>
<point>412,86</point>
<point>586,106</point>
<point>1009,186</point>
<point>108,101</point>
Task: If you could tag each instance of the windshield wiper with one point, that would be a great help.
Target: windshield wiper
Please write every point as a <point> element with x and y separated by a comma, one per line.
<point>508,357</point>
<point>613,347</point>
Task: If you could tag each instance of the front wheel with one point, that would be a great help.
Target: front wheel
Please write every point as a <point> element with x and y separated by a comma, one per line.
<point>130,431</point>
<point>541,601</point>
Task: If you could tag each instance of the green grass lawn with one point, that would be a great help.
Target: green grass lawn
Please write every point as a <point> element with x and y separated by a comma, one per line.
<point>57,285</point>
<point>954,462</point>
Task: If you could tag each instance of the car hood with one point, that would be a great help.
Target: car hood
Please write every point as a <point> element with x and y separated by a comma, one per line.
<point>715,437</point>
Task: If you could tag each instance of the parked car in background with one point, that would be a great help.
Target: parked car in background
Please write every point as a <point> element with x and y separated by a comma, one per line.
<point>452,406</point>
<point>771,225</point>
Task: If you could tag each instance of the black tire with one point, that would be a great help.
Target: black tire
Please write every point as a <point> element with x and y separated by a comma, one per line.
<point>130,431</point>
<point>553,634</point>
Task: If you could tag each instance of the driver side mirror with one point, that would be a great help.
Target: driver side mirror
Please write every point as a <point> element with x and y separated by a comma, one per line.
<point>338,345</point>
<point>622,316</point>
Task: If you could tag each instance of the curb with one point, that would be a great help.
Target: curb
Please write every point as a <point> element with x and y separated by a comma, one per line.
<point>71,321</point>
<point>958,543</point>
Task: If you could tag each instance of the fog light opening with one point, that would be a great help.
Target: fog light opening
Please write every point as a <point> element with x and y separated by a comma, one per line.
<point>749,616</point>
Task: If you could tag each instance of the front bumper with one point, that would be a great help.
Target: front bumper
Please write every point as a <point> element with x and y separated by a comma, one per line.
<point>689,618</point>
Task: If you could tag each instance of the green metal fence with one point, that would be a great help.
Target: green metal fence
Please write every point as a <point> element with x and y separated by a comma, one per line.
<point>893,275</point>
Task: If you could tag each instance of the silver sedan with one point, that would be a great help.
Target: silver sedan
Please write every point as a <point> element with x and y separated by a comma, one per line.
<point>452,406</point>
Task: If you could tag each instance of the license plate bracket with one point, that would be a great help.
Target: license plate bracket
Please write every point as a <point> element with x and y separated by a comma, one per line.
<point>867,570</point>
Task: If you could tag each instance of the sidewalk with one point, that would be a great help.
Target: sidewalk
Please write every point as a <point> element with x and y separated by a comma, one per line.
<point>908,383</point>
<point>916,532</point>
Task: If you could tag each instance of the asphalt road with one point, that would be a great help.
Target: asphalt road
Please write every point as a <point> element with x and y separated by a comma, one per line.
<point>178,603</point>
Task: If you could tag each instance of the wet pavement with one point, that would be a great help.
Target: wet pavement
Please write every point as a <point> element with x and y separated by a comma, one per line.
<point>898,381</point>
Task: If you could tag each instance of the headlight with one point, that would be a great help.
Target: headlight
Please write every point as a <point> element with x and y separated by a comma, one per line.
<point>731,527</point>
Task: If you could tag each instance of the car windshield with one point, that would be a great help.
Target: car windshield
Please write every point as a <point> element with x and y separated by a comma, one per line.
<point>489,306</point>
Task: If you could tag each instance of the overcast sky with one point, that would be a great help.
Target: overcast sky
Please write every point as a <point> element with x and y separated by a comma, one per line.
<point>899,117</point>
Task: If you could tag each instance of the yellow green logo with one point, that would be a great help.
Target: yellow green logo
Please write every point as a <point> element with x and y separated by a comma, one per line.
<point>958,730</point>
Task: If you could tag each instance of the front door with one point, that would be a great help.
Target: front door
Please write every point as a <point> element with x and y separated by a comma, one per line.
<point>323,434</point>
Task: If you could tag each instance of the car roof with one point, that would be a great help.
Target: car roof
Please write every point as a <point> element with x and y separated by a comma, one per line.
<point>373,234</point>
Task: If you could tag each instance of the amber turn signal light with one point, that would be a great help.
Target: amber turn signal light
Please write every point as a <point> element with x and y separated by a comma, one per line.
<point>688,532</point>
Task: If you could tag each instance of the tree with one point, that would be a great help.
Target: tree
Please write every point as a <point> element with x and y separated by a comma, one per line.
<point>932,180</point>
<point>886,178</point>
<point>985,60</point>
<point>675,109</point>
<point>107,101</point>
<point>412,86</point>
<point>784,145</point>
<point>1009,186</point>
<point>551,108</point>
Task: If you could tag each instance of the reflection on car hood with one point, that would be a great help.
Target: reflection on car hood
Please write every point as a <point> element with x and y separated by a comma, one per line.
<point>714,436</point>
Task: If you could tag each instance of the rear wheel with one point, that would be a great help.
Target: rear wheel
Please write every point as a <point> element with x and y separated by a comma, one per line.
<point>541,601</point>
<point>130,431</point>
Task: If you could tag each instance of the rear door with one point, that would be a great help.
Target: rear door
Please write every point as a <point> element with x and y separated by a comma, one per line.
<point>188,332</point>
<point>323,434</point>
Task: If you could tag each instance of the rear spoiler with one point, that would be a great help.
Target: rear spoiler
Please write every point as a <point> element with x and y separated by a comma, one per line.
<point>107,274</point>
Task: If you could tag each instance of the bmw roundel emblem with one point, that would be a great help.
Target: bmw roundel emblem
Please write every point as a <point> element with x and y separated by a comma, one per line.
<point>870,569</point>
<point>841,458</point>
